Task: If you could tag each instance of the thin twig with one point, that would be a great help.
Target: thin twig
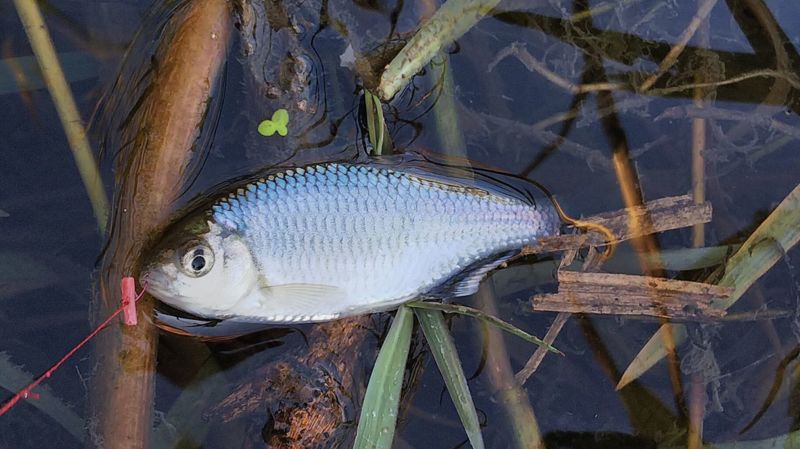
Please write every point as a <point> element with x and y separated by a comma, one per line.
<point>764,73</point>
<point>672,57</point>
<point>518,50</point>
<point>533,363</point>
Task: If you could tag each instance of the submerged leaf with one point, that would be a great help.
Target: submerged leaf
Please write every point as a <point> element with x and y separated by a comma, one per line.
<point>382,400</point>
<point>475,313</point>
<point>444,352</point>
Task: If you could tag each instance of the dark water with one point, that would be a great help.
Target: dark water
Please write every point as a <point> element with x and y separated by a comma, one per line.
<point>506,116</point>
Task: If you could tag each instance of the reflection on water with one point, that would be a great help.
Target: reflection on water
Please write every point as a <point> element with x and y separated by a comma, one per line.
<point>521,90</point>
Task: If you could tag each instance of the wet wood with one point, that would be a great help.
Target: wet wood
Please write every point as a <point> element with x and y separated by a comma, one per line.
<point>308,395</point>
<point>163,130</point>
<point>622,294</point>
<point>666,214</point>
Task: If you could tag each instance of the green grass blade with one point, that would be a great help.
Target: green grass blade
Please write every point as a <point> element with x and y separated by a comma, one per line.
<point>765,246</point>
<point>379,411</point>
<point>380,123</point>
<point>444,352</point>
<point>375,124</point>
<point>370,112</point>
<point>475,313</point>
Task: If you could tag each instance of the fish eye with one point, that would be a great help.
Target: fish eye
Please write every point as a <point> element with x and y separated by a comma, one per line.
<point>197,260</point>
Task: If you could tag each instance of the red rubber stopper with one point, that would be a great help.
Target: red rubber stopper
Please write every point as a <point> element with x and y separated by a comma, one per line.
<point>128,285</point>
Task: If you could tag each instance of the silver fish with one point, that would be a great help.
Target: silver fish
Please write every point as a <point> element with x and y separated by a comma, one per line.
<point>339,239</point>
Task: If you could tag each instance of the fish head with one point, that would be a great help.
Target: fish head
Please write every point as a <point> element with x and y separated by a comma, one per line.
<point>201,268</point>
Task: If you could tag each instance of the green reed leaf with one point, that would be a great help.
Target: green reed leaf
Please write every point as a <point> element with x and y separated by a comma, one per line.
<point>382,400</point>
<point>444,352</point>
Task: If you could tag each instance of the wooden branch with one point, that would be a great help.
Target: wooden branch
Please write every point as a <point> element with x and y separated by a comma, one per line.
<point>622,294</point>
<point>665,214</point>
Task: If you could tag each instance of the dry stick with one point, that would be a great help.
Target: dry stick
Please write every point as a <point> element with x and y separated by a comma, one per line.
<point>555,328</point>
<point>624,294</point>
<point>668,213</point>
<point>151,177</point>
<point>536,359</point>
<point>672,57</point>
<point>57,85</point>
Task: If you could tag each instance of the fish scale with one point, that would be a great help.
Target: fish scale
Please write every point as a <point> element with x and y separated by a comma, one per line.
<point>379,235</point>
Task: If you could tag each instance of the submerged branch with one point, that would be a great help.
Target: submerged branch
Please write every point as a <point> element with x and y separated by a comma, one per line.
<point>164,130</point>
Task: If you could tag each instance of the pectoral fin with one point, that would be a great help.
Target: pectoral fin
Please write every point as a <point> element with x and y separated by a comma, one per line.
<point>303,302</point>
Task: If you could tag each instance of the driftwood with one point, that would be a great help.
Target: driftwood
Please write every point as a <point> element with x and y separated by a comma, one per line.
<point>622,294</point>
<point>308,393</point>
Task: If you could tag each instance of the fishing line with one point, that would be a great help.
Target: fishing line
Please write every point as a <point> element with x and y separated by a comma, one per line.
<point>127,306</point>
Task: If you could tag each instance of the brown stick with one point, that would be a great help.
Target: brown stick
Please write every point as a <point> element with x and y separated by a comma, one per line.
<point>151,176</point>
<point>623,294</point>
<point>666,213</point>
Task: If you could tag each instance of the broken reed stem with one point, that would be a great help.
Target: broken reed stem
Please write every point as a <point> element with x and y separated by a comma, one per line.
<point>451,21</point>
<point>632,195</point>
<point>672,57</point>
<point>57,85</point>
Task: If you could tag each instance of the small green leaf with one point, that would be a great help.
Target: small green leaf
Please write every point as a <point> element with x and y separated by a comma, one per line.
<point>266,128</point>
<point>444,352</point>
<point>382,400</point>
<point>475,313</point>
<point>278,124</point>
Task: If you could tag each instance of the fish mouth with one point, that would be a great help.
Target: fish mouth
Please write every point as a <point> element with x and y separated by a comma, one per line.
<point>155,282</point>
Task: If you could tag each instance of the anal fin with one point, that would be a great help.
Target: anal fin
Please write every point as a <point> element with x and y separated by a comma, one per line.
<point>467,281</point>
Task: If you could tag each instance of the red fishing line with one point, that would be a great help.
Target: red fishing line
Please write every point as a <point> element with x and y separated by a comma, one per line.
<point>128,306</point>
